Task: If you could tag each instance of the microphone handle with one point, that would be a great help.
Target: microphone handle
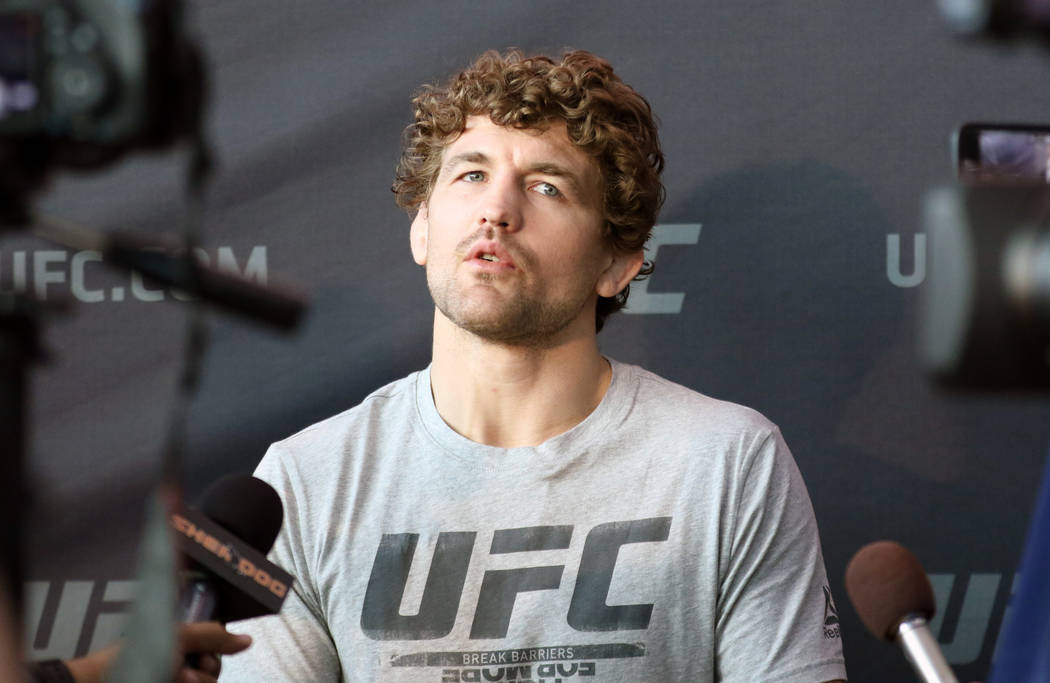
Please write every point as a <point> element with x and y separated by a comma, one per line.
<point>197,602</point>
<point>923,652</point>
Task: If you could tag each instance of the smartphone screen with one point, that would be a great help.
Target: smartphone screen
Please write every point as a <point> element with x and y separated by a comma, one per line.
<point>1003,153</point>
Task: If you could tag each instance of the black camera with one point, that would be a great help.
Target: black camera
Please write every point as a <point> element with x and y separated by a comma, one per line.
<point>84,81</point>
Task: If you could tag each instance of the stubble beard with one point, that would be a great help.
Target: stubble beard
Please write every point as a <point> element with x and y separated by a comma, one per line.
<point>517,319</point>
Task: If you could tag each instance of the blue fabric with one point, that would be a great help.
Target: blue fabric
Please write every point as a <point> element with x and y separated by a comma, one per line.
<point>1024,650</point>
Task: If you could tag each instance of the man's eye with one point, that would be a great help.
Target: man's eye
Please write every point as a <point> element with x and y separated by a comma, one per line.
<point>547,189</point>
<point>474,176</point>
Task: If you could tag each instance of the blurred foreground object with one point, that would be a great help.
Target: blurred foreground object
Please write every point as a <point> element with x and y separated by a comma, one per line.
<point>1023,654</point>
<point>986,306</point>
<point>996,18</point>
<point>82,82</point>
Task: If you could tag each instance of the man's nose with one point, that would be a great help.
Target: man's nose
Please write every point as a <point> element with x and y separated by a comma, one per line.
<point>501,206</point>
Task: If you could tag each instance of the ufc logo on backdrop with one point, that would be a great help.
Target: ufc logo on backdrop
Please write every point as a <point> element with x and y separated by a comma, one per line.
<point>381,617</point>
<point>643,301</point>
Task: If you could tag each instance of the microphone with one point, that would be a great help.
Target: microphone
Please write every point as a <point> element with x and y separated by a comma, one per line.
<point>892,595</point>
<point>229,577</point>
<point>278,307</point>
<point>164,261</point>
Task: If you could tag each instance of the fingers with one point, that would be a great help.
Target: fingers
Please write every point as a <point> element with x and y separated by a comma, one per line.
<point>207,640</point>
<point>93,666</point>
<point>211,636</point>
<point>192,676</point>
<point>209,664</point>
<point>207,671</point>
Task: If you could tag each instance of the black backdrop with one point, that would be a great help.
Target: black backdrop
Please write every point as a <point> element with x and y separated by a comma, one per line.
<point>801,138</point>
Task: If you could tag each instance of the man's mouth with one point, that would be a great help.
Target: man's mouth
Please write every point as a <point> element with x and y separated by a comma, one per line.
<point>491,252</point>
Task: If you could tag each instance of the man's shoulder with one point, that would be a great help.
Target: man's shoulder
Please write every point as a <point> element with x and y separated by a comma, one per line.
<point>395,398</point>
<point>671,402</point>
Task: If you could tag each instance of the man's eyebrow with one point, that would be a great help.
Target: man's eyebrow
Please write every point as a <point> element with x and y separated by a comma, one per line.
<point>558,171</point>
<point>464,158</point>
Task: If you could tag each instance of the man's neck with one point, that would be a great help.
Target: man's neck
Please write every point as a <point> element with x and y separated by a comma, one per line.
<point>511,396</point>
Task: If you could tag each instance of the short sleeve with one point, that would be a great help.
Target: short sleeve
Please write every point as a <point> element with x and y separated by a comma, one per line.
<point>776,618</point>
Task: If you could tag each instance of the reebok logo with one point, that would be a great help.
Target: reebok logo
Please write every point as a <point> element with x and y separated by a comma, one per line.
<point>831,617</point>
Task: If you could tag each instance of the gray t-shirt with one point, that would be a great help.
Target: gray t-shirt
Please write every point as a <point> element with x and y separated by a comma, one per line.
<point>667,537</point>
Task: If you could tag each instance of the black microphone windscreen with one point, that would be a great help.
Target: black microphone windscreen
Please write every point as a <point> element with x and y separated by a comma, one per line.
<point>885,582</point>
<point>245,506</point>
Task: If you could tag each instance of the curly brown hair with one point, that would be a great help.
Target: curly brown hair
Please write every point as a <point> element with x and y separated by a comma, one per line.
<point>604,116</point>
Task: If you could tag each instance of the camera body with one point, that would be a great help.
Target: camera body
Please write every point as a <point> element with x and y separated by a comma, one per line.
<point>73,71</point>
<point>83,81</point>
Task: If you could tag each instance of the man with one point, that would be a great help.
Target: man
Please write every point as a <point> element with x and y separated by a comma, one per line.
<point>525,509</point>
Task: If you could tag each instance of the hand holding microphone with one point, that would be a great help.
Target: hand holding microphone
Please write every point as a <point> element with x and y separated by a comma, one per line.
<point>228,578</point>
<point>225,542</point>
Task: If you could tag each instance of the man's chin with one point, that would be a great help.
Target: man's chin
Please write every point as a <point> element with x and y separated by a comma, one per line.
<point>527,331</point>
<point>494,329</point>
<point>510,321</point>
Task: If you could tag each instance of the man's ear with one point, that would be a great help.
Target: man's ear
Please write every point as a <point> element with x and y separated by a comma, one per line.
<point>620,273</point>
<point>419,234</point>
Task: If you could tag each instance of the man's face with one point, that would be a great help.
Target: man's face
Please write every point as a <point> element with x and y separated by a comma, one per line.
<point>511,235</point>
